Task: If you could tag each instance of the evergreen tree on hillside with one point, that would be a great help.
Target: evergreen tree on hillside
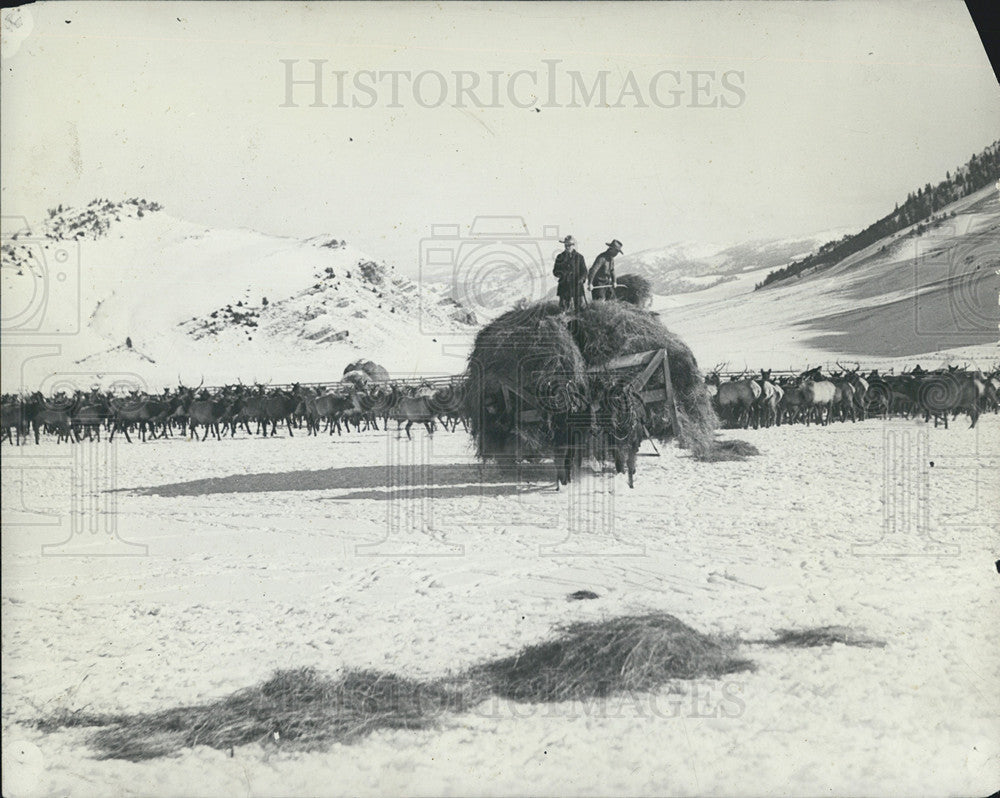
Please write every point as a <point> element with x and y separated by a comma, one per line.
<point>981,170</point>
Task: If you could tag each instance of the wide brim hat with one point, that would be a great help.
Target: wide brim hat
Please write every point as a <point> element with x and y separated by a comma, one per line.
<point>567,240</point>
<point>616,244</point>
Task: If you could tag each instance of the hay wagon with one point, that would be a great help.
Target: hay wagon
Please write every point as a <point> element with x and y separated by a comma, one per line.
<point>651,380</point>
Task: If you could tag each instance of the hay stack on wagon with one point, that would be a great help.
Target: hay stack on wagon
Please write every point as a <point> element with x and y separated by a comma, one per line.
<point>523,358</point>
<point>634,289</point>
<point>535,358</point>
<point>607,330</point>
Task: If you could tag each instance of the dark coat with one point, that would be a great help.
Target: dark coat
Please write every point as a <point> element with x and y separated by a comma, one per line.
<point>571,269</point>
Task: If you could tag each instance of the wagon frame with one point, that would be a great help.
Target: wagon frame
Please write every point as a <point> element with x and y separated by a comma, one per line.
<point>655,364</point>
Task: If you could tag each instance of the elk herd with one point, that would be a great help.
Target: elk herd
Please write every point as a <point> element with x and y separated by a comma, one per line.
<point>358,404</point>
<point>812,397</point>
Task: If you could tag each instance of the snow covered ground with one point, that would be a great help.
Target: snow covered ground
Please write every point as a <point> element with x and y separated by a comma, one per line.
<point>367,551</point>
<point>250,555</point>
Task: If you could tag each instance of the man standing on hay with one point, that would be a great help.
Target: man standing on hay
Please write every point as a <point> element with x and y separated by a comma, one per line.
<point>601,277</point>
<point>571,270</point>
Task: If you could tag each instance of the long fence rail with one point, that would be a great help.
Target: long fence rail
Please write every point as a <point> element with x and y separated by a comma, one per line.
<point>445,380</point>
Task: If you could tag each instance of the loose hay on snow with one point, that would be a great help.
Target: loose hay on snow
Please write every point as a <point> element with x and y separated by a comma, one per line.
<point>302,708</point>
<point>727,451</point>
<point>824,636</point>
<point>305,709</point>
<point>634,654</point>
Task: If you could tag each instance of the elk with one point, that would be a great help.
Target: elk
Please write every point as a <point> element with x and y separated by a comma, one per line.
<point>279,406</point>
<point>736,399</point>
<point>14,417</point>
<point>766,406</point>
<point>712,383</point>
<point>159,412</point>
<point>818,395</point>
<point>128,412</point>
<point>878,395</point>
<point>447,404</point>
<point>412,409</point>
<point>339,407</point>
<point>53,414</point>
<point>88,415</point>
<point>860,386</point>
<point>956,391</point>
<point>902,393</point>
<point>368,403</point>
<point>792,401</point>
<point>252,410</point>
<point>202,410</point>
<point>843,398</point>
<point>306,409</point>
<point>352,405</point>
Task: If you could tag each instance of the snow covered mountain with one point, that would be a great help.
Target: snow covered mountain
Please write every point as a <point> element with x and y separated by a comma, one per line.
<point>684,266</point>
<point>126,285</point>
<point>930,292</point>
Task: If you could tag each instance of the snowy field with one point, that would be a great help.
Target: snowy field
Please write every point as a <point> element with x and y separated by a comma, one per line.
<point>368,551</point>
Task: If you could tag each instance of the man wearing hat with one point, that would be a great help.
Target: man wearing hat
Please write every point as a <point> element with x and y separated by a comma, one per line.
<point>571,270</point>
<point>602,274</point>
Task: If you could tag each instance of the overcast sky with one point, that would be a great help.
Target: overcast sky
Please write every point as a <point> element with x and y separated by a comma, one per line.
<point>721,121</point>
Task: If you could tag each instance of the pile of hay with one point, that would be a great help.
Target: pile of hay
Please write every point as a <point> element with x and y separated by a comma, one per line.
<point>606,330</point>
<point>302,708</point>
<point>639,653</point>
<point>306,710</point>
<point>634,289</point>
<point>373,370</point>
<point>535,347</point>
<point>723,451</point>
<point>526,351</point>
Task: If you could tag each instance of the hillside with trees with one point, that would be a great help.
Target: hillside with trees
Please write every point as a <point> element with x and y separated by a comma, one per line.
<point>920,209</point>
